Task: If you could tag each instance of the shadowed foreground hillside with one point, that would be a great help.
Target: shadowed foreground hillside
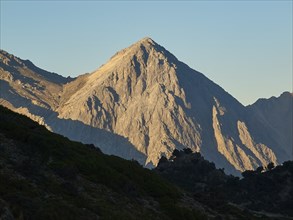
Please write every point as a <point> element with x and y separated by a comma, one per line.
<point>46,176</point>
<point>266,192</point>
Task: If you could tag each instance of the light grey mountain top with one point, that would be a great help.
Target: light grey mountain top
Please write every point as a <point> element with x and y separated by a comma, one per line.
<point>143,103</point>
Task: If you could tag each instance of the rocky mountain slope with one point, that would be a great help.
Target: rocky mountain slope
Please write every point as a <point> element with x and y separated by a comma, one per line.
<point>36,93</point>
<point>276,114</point>
<point>37,85</point>
<point>143,103</point>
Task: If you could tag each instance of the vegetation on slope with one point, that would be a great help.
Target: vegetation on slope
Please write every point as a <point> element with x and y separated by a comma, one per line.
<point>266,193</point>
<point>46,176</point>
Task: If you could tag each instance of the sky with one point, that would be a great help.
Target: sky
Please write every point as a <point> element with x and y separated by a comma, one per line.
<point>243,46</point>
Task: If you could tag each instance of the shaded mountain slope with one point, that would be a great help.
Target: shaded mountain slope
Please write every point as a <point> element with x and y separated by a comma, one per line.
<point>277,114</point>
<point>46,176</point>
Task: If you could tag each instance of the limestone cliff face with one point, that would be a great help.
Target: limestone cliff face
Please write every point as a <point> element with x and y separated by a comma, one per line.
<point>36,93</point>
<point>33,84</point>
<point>143,103</point>
<point>137,94</point>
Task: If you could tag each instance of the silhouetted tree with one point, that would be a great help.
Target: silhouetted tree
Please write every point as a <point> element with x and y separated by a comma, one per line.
<point>270,166</point>
<point>248,173</point>
<point>222,170</point>
<point>162,160</point>
<point>259,169</point>
<point>176,153</point>
<point>135,162</point>
<point>187,151</point>
<point>91,146</point>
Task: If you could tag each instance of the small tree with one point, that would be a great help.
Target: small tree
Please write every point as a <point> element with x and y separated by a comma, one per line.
<point>176,153</point>
<point>259,169</point>
<point>162,160</point>
<point>248,173</point>
<point>270,166</point>
<point>187,151</point>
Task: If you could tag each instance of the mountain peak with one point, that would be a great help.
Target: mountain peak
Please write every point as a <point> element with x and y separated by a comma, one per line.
<point>286,94</point>
<point>145,43</point>
<point>149,44</point>
<point>146,47</point>
<point>9,62</point>
<point>147,40</point>
<point>9,59</point>
<point>144,103</point>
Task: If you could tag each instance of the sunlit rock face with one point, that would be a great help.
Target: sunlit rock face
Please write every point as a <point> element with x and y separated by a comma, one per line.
<point>142,104</point>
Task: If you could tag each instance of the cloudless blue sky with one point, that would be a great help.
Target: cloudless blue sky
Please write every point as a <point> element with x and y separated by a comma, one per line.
<point>244,46</point>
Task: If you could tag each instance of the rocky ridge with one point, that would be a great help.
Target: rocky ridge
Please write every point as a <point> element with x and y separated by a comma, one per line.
<point>143,103</point>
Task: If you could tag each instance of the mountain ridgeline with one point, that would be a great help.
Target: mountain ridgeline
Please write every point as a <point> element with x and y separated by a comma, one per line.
<point>144,103</point>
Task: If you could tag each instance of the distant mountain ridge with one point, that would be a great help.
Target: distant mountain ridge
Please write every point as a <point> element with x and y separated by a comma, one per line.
<point>9,61</point>
<point>277,112</point>
<point>143,103</point>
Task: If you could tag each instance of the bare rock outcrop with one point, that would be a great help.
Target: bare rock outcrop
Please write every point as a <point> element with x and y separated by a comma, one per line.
<point>144,103</point>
